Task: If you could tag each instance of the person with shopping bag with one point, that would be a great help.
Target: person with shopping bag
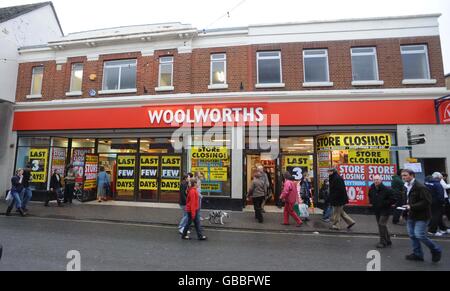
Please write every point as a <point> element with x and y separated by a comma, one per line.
<point>290,197</point>
<point>16,189</point>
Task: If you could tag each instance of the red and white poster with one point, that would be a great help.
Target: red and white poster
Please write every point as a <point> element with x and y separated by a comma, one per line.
<point>359,178</point>
<point>355,177</point>
<point>78,158</point>
<point>385,171</point>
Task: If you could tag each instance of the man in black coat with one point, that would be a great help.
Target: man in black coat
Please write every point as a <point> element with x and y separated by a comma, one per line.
<point>338,199</point>
<point>419,201</point>
<point>382,199</point>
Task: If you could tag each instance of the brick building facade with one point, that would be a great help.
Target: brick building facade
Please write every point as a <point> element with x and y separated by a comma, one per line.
<point>317,94</point>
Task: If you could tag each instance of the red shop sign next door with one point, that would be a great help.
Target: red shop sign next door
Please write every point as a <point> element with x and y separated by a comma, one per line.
<point>444,112</point>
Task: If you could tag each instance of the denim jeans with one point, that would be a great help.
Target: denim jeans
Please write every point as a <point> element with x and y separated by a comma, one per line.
<point>327,212</point>
<point>417,231</point>
<point>17,201</point>
<point>184,219</point>
<point>196,221</point>
<point>27,194</point>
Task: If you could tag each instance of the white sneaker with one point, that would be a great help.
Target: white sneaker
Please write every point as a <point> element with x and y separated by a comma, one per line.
<point>181,231</point>
<point>448,231</point>
<point>438,234</point>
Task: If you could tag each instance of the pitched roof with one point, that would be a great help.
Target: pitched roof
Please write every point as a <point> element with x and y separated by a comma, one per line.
<point>8,13</point>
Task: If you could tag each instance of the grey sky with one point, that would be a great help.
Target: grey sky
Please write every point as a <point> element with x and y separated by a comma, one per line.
<point>93,14</point>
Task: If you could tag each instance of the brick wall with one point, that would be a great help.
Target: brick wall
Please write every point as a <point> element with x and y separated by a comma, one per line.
<point>192,70</point>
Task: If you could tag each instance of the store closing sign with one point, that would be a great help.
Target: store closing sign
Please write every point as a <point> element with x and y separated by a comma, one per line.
<point>148,179</point>
<point>386,173</point>
<point>125,173</point>
<point>210,153</point>
<point>356,183</point>
<point>38,160</point>
<point>170,173</point>
<point>369,157</point>
<point>352,141</point>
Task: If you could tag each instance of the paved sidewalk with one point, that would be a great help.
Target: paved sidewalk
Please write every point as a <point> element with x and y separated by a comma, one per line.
<point>170,215</point>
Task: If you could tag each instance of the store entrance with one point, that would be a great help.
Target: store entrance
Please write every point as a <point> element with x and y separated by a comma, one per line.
<point>252,161</point>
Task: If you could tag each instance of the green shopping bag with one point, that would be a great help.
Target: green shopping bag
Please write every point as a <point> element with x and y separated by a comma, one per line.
<point>297,209</point>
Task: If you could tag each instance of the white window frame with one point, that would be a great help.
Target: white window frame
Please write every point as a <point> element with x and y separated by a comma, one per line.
<point>213,86</point>
<point>377,77</point>
<point>428,79</point>
<point>31,96</point>
<point>71,91</point>
<point>162,62</point>
<point>119,90</point>
<point>269,85</point>
<point>326,83</point>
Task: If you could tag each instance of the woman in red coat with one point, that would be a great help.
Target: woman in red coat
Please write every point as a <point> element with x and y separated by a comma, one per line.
<point>290,196</point>
<point>193,211</point>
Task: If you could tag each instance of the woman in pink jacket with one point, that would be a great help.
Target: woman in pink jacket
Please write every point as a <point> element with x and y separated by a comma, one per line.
<point>290,196</point>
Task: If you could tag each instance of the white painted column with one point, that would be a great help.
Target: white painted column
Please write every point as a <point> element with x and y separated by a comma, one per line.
<point>237,162</point>
<point>7,147</point>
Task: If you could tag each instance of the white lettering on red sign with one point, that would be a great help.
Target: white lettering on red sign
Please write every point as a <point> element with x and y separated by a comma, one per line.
<point>202,115</point>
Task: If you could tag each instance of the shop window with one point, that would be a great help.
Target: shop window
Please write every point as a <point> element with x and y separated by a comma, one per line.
<point>218,69</point>
<point>122,145</point>
<point>415,62</point>
<point>80,148</point>
<point>157,145</point>
<point>357,157</point>
<point>213,161</point>
<point>60,142</point>
<point>316,66</point>
<point>35,152</point>
<point>119,75</point>
<point>298,158</point>
<point>364,64</point>
<point>34,141</point>
<point>269,67</point>
<point>303,145</point>
<point>76,78</point>
<point>165,72</point>
<point>36,81</point>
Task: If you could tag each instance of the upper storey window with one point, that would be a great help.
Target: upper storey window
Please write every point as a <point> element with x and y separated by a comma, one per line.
<point>269,69</point>
<point>119,76</point>
<point>416,66</point>
<point>36,82</point>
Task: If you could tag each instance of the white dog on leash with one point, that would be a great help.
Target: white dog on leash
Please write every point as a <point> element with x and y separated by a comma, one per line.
<point>216,217</point>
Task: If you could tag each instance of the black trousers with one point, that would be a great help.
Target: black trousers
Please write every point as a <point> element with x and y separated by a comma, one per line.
<point>437,219</point>
<point>257,202</point>
<point>68,193</point>
<point>447,209</point>
<point>385,237</point>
